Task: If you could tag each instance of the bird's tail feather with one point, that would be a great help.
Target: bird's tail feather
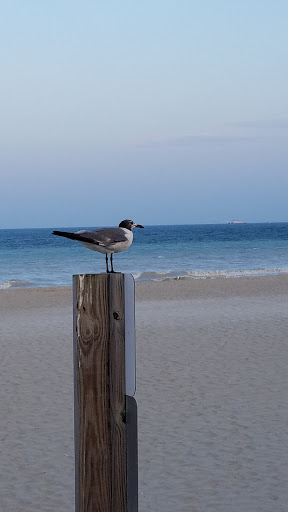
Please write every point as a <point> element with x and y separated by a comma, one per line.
<point>75,236</point>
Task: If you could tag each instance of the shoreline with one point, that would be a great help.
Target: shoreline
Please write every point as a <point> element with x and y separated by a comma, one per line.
<point>170,289</point>
<point>159,276</point>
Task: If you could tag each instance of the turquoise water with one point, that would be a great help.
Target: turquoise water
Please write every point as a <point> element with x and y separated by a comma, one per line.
<point>33,257</point>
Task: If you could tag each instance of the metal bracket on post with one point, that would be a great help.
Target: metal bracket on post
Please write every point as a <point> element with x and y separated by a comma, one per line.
<point>131,404</point>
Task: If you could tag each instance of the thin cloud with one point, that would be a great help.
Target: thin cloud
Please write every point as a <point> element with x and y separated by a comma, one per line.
<point>264,124</point>
<point>240,132</point>
<point>192,141</point>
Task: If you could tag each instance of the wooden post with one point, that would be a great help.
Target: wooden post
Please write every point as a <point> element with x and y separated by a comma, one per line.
<point>101,453</point>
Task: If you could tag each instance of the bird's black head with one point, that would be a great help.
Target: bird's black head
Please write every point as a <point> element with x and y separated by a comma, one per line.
<point>129,224</point>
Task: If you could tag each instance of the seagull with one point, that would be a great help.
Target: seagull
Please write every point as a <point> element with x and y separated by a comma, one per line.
<point>106,240</point>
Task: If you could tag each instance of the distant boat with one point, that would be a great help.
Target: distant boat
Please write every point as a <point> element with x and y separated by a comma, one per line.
<point>237,222</point>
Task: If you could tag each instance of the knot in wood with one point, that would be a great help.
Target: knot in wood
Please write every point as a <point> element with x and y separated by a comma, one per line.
<point>116,315</point>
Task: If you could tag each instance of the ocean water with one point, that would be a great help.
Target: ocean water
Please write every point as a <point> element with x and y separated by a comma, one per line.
<point>33,257</point>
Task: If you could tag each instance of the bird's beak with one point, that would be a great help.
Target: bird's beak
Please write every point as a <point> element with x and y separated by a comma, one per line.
<point>138,226</point>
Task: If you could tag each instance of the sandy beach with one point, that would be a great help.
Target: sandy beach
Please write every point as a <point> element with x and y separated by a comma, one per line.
<point>212,387</point>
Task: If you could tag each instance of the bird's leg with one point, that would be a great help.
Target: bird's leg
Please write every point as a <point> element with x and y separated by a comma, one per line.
<point>111,261</point>
<point>107,268</point>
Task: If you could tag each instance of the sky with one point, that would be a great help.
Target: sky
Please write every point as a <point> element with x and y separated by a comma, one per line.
<point>161,111</point>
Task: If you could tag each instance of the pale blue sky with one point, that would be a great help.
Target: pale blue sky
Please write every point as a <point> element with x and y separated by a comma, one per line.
<point>160,111</point>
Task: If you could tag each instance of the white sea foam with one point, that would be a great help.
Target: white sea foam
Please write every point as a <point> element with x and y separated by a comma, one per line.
<point>137,275</point>
<point>207,274</point>
<point>153,276</point>
<point>14,284</point>
<point>236,273</point>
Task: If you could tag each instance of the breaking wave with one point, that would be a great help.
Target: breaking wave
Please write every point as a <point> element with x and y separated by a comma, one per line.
<point>207,274</point>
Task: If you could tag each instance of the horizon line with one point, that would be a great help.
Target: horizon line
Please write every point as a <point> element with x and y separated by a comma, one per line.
<point>160,224</point>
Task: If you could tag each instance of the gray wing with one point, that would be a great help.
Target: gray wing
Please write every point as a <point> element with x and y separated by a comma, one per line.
<point>105,236</point>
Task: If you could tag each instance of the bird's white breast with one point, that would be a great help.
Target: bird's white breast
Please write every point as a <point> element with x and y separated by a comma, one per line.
<point>122,246</point>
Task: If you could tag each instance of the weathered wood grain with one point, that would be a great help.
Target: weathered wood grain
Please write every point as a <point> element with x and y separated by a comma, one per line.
<point>99,356</point>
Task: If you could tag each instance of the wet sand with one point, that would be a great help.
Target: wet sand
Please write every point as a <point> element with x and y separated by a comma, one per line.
<point>212,386</point>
